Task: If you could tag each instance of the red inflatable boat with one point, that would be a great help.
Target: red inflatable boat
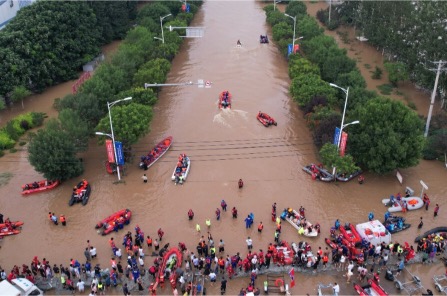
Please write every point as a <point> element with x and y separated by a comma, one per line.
<point>119,218</point>
<point>39,186</point>
<point>351,234</point>
<point>266,119</point>
<point>225,100</point>
<point>168,257</point>
<point>12,229</point>
<point>156,153</point>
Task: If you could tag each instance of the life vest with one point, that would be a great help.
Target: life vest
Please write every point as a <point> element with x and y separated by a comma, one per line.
<point>260,227</point>
<point>62,218</point>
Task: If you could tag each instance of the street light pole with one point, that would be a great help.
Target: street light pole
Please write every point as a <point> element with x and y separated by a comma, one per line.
<point>109,106</point>
<point>346,91</point>
<point>294,29</point>
<point>162,31</point>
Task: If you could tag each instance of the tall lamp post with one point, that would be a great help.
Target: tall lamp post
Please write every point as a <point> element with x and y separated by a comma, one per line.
<point>346,91</point>
<point>294,28</point>
<point>112,136</point>
<point>161,25</point>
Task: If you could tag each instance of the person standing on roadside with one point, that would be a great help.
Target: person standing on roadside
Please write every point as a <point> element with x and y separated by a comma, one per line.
<point>87,254</point>
<point>160,233</point>
<point>436,210</point>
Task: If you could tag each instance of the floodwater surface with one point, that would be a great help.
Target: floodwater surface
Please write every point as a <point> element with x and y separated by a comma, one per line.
<point>223,145</point>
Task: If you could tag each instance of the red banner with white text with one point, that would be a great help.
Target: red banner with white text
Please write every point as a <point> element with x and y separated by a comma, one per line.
<point>110,151</point>
<point>344,139</point>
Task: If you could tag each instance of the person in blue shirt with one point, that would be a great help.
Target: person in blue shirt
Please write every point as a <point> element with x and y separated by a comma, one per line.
<point>337,224</point>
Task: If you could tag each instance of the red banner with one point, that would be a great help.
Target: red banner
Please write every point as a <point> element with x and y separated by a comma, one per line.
<point>344,139</point>
<point>110,151</point>
<point>296,48</point>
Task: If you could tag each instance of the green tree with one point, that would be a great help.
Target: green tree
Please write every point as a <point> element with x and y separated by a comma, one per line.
<point>300,66</point>
<point>153,11</point>
<point>276,17</point>
<point>54,38</point>
<point>388,137</point>
<point>353,79</point>
<point>130,123</point>
<point>297,8</point>
<point>282,31</point>
<point>304,87</point>
<point>154,71</point>
<point>396,72</point>
<point>75,127</point>
<point>52,153</point>
<point>107,82</point>
<point>86,107</point>
<point>139,95</point>
<point>331,158</point>
<point>19,93</point>
<point>307,27</point>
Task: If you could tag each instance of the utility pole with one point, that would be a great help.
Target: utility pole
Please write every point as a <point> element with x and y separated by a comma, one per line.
<point>441,64</point>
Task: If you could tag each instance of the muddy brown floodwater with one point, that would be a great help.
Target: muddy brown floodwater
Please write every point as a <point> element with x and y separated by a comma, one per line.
<point>223,146</point>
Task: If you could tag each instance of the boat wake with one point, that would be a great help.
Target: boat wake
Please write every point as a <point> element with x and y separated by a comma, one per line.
<point>225,115</point>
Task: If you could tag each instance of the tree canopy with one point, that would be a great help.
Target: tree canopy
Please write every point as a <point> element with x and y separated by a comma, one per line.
<point>130,123</point>
<point>53,153</point>
<point>388,137</point>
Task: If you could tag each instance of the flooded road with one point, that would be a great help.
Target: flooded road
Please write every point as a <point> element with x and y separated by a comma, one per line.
<point>223,146</point>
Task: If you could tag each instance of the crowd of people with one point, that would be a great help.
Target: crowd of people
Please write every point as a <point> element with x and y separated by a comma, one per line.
<point>210,259</point>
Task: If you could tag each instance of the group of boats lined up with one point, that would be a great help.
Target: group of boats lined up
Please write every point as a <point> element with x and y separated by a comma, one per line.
<point>318,172</point>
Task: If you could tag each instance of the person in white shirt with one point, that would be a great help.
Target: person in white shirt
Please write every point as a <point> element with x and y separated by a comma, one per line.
<point>336,289</point>
<point>93,252</point>
<point>140,260</point>
<point>212,278</point>
<point>118,253</point>
<point>249,243</point>
<point>141,252</point>
<point>81,286</point>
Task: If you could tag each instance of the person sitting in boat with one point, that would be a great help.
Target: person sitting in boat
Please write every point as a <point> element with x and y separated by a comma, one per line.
<point>400,223</point>
<point>302,209</point>
<point>239,43</point>
<point>177,178</point>
<point>8,224</point>
<point>392,201</point>
<point>35,185</point>
<point>387,215</point>
<point>26,187</point>
<point>317,227</point>
<point>398,196</point>
<point>290,213</point>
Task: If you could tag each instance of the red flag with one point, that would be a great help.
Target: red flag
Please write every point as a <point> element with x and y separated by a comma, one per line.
<point>292,284</point>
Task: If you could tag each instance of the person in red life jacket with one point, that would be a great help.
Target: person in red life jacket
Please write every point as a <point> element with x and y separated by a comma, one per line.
<point>182,246</point>
<point>260,227</point>
<point>190,214</point>
<point>361,179</point>
<point>234,212</point>
<point>160,233</point>
<point>302,212</point>
<point>240,183</point>
<point>63,220</point>
<point>149,241</point>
